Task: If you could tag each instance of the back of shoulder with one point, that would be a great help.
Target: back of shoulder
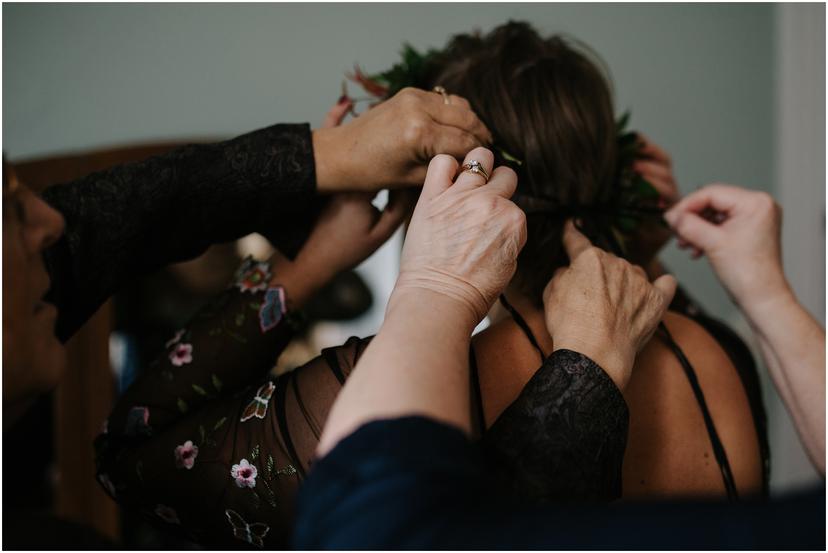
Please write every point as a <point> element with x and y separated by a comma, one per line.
<point>668,437</point>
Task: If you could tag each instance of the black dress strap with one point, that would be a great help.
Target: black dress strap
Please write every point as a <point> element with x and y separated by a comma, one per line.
<point>476,395</point>
<point>524,326</point>
<point>715,441</point>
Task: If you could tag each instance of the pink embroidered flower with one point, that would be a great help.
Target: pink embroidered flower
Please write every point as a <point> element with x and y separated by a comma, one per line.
<point>245,474</point>
<point>185,455</point>
<point>175,339</point>
<point>107,484</point>
<point>181,354</point>
<point>253,276</point>
<point>167,514</point>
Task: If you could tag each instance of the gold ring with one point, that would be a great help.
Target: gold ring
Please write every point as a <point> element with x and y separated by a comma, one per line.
<point>442,91</point>
<point>476,167</point>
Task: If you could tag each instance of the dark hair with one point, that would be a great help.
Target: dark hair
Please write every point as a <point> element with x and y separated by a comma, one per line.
<point>548,104</point>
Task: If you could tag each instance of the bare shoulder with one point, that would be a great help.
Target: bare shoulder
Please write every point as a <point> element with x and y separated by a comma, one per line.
<point>669,450</point>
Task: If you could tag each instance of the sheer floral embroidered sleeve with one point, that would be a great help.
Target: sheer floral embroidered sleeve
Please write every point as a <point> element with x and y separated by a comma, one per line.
<point>192,433</point>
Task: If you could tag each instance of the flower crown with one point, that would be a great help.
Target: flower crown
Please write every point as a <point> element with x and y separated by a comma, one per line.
<point>632,201</point>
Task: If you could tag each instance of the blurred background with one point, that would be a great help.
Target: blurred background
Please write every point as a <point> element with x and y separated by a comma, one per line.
<point>736,93</point>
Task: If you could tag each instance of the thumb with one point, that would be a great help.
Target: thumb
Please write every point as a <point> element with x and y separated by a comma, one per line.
<point>441,171</point>
<point>666,285</point>
<point>692,228</point>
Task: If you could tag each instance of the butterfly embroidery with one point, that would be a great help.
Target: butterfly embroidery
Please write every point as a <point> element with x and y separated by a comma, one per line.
<point>272,309</point>
<point>258,406</point>
<point>250,533</point>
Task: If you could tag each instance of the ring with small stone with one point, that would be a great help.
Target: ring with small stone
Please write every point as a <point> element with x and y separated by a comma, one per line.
<point>476,167</point>
<point>442,91</point>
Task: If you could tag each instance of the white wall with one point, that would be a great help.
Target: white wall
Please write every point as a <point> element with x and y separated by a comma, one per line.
<point>698,78</point>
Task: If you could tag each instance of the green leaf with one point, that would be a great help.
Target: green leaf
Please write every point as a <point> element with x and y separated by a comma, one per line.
<point>214,331</point>
<point>270,466</point>
<point>257,501</point>
<point>201,432</point>
<point>288,470</point>
<point>254,453</point>
<point>199,390</point>
<point>240,319</point>
<point>182,405</point>
<point>217,384</point>
<point>255,306</point>
<point>220,423</point>
<point>167,375</point>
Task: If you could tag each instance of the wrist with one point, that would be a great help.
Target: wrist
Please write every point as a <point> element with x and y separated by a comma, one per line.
<point>299,281</point>
<point>331,173</point>
<point>459,301</point>
<point>767,303</point>
<point>440,313</point>
<point>616,362</point>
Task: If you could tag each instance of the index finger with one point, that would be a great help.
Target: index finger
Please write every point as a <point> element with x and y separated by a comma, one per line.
<point>720,197</point>
<point>459,116</point>
<point>574,242</point>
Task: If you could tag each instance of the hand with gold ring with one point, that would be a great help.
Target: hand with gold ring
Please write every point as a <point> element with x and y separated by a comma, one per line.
<point>442,92</point>
<point>464,236</point>
<point>391,144</point>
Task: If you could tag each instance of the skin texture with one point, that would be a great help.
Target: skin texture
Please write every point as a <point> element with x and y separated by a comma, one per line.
<point>33,358</point>
<point>739,232</point>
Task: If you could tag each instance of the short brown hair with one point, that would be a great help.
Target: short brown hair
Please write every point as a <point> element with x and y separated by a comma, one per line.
<point>548,103</point>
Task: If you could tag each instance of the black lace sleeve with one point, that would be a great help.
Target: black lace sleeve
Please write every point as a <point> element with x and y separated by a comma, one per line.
<point>132,219</point>
<point>563,438</point>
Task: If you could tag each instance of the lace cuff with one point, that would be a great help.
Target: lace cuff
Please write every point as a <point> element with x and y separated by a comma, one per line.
<point>563,439</point>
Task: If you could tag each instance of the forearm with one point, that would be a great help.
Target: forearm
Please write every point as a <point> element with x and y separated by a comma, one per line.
<point>793,347</point>
<point>132,219</point>
<point>416,365</point>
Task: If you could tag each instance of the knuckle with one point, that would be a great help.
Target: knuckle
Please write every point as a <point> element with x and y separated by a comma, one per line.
<point>415,130</point>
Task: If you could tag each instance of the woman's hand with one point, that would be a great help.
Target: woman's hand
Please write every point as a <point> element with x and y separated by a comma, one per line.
<point>464,237</point>
<point>347,231</point>
<point>656,167</point>
<point>390,145</point>
<point>603,307</point>
<point>739,232</point>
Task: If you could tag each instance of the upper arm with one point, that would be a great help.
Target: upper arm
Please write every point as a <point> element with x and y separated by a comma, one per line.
<point>669,450</point>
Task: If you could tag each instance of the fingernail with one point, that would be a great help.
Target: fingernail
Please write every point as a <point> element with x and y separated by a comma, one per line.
<point>670,217</point>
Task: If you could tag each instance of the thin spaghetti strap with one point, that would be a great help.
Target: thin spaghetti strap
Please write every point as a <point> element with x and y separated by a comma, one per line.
<point>476,395</point>
<point>523,326</point>
<point>715,441</point>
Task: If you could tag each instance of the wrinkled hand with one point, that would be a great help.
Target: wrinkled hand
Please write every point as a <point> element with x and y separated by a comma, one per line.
<point>739,232</point>
<point>656,167</point>
<point>464,236</point>
<point>603,307</point>
<point>390,145</point>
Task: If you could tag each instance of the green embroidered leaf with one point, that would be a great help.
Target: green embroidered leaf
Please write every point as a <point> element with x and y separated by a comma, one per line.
<point>270,466</point>
<point>214,331</point>
<point>289,470</point>
<point>217,384</point>
<point>255,306</point>
<point>199,390</point>
<point>254,453</point>
<point>167,375</point>
<point>182,405</point>
<point>220,423</point>
<point>240,319</point>
<point>201,432</point>
<point>257,501</point>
